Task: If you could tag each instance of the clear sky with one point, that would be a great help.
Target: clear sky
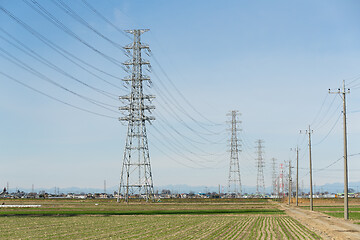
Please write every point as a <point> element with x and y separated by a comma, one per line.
<point>274,61</point>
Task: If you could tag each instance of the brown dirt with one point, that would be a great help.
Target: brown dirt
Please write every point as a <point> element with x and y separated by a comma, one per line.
<point>325,226</point>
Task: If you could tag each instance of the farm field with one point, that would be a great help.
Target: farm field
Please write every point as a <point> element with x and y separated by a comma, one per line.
<point>94,219</point>
<point>335,208</point>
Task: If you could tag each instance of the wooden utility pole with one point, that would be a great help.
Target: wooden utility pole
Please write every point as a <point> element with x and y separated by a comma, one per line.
<point>289,192</point>
<point>297,176</point>
<point>308,132</point>
<point>342,93</point>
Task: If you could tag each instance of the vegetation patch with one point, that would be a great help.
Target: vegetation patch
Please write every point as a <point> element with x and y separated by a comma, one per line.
<point>145,212</point>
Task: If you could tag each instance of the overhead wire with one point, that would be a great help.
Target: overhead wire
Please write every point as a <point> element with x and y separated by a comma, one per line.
<point>69,11</point>
<point>52,19</point>
<point>176,116</point>
<point>176,104</point>
<point>177,152</point>
<point>180,94</point>
<point>61,50</point>
<point>26,67</point>
<point>331,129</point>
<point>181,145</point>
<point>97,13</point>
<point>54,98</point>
<point>46,62</point>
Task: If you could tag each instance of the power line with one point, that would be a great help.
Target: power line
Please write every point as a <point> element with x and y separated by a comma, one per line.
<point>332,128</point>
<point>69,11</point>
<point>59,49</point>
<point>179,92</point>
<point>46,62</point>
<point>51,18</point>
<point>171,99</point>
<point>105,19</point>
<point>26,67</point>
<point>54,98</point>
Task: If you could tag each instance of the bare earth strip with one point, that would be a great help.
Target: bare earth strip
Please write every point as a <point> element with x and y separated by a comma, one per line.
<point>325,226</point>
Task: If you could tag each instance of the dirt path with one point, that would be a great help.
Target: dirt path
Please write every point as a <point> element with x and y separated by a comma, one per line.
<point>326,226</point>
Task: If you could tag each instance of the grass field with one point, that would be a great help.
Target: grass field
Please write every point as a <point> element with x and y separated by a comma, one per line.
<point>93,219</point>
<point>335,208</point>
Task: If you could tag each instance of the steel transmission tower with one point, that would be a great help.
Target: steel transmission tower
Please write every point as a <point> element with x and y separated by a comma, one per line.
<point>136,177</point>
<point>274,177</point>
<point>234,169</point>
<point>260,164</point>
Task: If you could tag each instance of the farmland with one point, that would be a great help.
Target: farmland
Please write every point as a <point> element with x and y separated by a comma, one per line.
<point>94,219</point>
<point>335,207</point>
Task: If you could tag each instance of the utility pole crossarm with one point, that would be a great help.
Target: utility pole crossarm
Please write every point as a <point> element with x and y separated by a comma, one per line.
<point>342,92</point>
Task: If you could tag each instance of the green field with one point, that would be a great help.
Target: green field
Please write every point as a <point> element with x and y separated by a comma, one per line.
<point>94,219</point>
<point>338,211</point>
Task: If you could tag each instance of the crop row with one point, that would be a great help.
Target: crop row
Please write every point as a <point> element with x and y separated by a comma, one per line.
<point>154,227</point>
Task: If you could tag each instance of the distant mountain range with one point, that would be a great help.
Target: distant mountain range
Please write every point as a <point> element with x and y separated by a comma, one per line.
<point>183,188</point>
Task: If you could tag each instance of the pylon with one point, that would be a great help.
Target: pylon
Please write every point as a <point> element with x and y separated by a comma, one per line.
<point>136,177</point>
<point>260,182</point>
<point>234,183</point>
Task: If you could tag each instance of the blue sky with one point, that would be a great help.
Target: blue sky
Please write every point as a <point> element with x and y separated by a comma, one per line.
<point>272,61</point>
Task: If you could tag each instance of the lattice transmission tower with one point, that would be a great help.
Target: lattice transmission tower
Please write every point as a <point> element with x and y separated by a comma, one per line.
<point>274,177</point>
<point>234,184</point>
<point>136,177</point>
<point>260,164</point>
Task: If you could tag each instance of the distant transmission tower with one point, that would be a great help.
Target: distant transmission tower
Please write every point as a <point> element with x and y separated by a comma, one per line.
<point>136,177</point>
<point>260,164</point>
<point>274,177</point>
<point>234,170</point>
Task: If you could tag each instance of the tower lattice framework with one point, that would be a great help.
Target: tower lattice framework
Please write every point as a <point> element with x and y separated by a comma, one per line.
<point>234,183</point>
<point>136,177</point>
<point>274,177</point>
<point>260,164</point>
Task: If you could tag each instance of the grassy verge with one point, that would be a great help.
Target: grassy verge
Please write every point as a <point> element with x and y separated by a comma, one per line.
<point>151,212</point>
<point>352,215</point>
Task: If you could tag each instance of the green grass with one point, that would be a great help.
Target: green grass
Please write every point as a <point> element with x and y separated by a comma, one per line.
<point>146,212</point>
<point>352,215</point>
<point>105,219</point>
<point>149,227</point>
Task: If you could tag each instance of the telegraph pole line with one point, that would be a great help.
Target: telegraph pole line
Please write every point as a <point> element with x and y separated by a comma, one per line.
<point>309,132</point>
<point>234,168</point>
<point>136,177</point>
<point>342,92</point>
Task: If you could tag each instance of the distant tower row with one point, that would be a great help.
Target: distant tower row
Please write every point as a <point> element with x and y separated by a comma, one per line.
<point>234,169</point>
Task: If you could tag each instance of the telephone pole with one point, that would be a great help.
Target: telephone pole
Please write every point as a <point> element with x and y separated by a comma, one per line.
<point>297,176</point>
<point>260,183</point>
<point>342,92</point>
<point>234,169</point>
<point>309,132</point>
<point>136,177</point>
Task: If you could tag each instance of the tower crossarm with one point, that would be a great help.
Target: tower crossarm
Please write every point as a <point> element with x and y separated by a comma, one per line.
<point>138,62</point>
<point>131,78</point>
<point>135,107</point>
